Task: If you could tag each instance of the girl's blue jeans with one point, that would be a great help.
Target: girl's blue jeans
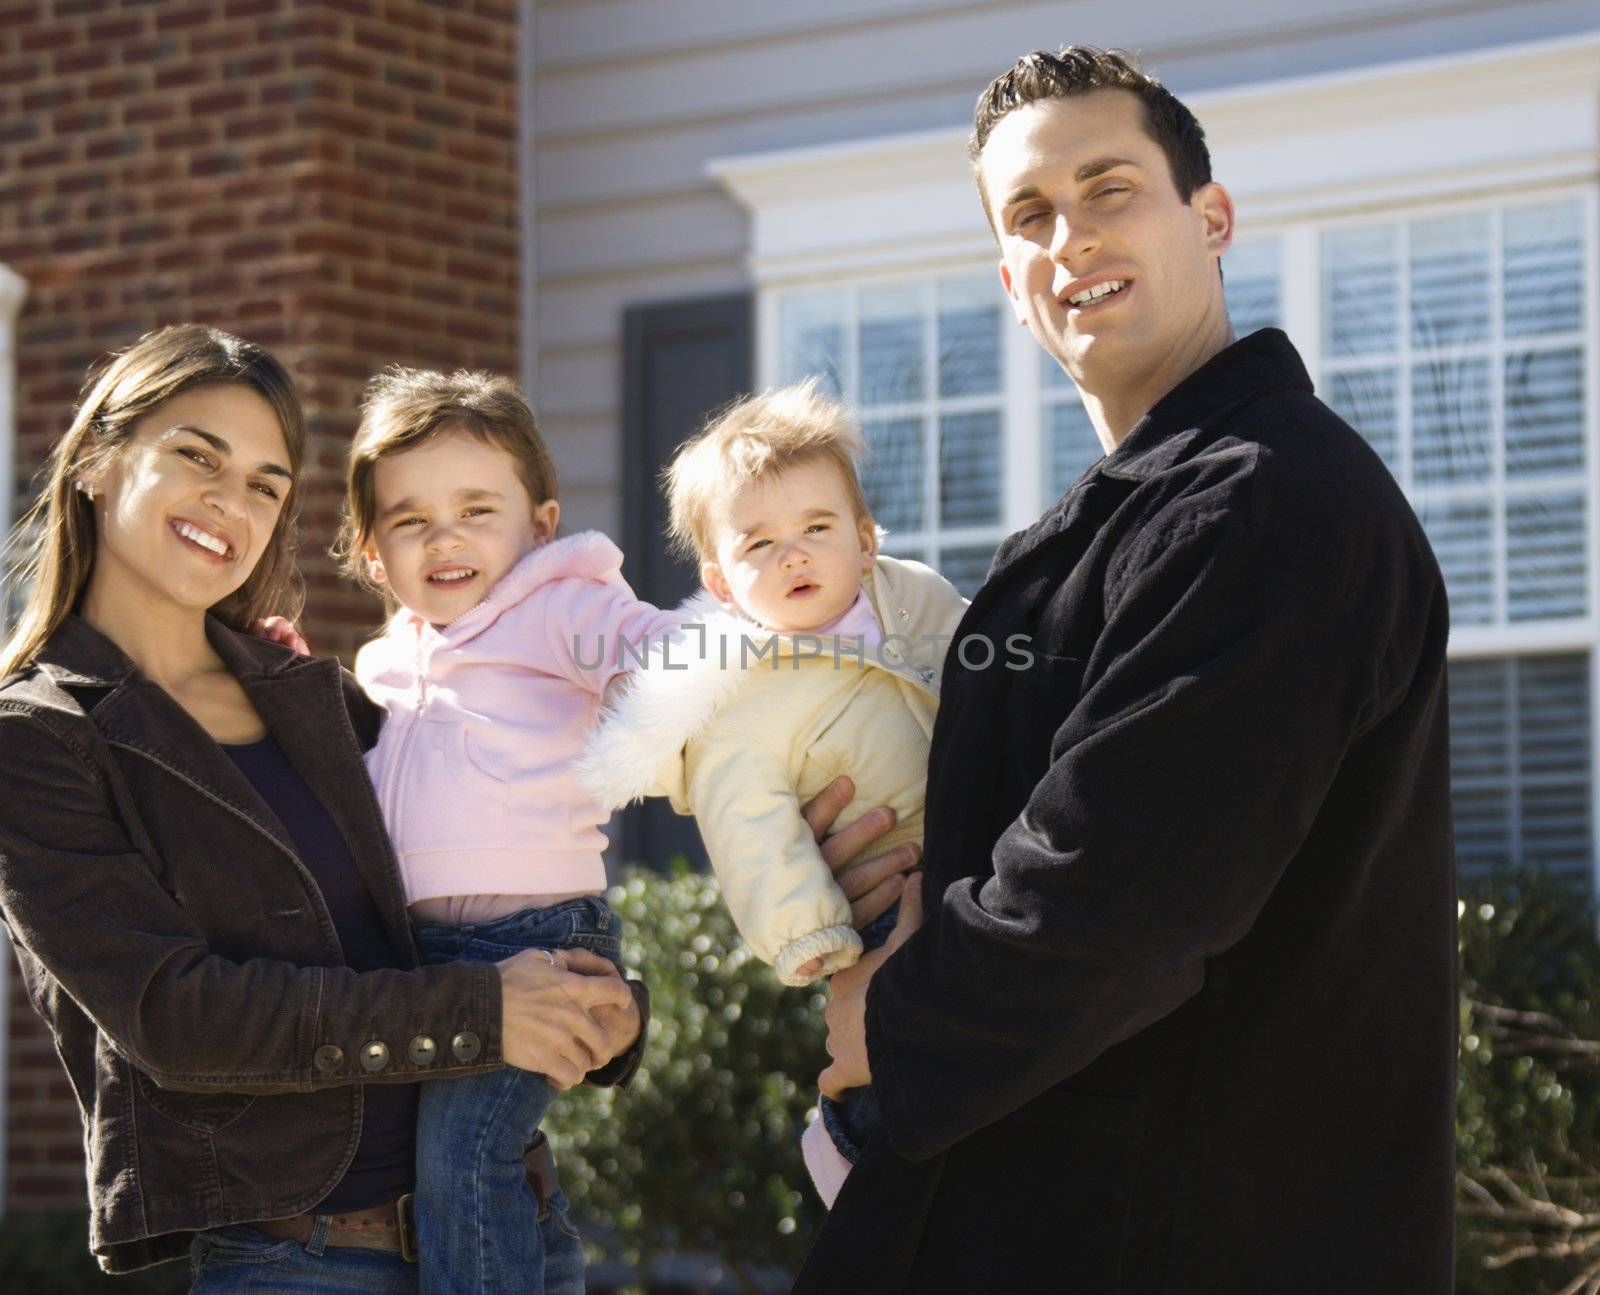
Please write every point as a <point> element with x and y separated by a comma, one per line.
<point>854,1118</point>
<point>478,1225</point>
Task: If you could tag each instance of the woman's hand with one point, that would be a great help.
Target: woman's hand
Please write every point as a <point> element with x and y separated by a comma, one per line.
<point>549,1008</point>
<point>871,884</point>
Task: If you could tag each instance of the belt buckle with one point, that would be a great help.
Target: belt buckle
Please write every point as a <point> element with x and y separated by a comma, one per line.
<point>405,1218</point>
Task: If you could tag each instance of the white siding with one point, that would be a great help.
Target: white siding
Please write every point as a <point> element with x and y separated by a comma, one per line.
<point>631,98</point>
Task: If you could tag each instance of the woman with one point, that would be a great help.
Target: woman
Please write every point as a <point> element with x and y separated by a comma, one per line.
<point>193,868</point>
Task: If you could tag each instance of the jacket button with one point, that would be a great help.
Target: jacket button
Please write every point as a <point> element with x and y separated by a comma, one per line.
<point>466,1046</point>
<point>902,613</point>
<point>328,1058</point>
<point>375,1056</point>
<point>422,1050</point>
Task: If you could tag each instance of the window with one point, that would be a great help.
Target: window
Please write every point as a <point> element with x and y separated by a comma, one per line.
<point>922,364</point>
<point>1459,340</point>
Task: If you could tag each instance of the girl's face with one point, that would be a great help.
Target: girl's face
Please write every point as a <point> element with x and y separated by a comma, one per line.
<point>184,511</point>
<point>451,517</point>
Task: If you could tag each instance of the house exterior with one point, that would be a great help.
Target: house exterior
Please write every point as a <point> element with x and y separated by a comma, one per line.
<point>654,207</point>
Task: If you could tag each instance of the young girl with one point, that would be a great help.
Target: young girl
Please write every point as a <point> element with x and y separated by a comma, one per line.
<point>813,656</point>
<point>491,671</point>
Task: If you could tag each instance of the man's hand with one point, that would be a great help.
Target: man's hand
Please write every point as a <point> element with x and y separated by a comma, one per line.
<point>871,885</point>
<point>280,629</point>
<point>846,1014</point>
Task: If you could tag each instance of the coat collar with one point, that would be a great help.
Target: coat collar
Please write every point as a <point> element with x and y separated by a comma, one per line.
<point>587,555</point>
<point>299,699</point>
<point>79,655</point>
<point>1263,362</point>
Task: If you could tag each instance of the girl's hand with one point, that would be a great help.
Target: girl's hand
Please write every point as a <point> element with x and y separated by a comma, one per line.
<point>547,1019</point>
<point>280,629</point>
<point>872,884</point>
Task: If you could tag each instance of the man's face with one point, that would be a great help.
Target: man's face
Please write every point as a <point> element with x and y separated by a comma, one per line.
<point>1083,200</point>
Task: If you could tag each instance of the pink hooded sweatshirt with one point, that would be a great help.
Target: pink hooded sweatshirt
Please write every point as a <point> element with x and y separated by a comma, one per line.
<point>473,765</point>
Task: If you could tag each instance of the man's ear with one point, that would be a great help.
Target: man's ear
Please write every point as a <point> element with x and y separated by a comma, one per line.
<point>1212,203</point>
<point>712,578</point>
<point>1017,310</point>
<point>545,518</point>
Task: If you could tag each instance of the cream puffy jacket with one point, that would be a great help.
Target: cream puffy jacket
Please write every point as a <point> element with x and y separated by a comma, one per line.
<point>740,727</point>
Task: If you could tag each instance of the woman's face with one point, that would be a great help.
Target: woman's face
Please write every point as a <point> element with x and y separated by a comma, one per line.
<point>184,511</point>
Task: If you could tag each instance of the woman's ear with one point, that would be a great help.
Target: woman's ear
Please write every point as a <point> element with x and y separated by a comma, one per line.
<point>712,578</point>
<point>546,516</point>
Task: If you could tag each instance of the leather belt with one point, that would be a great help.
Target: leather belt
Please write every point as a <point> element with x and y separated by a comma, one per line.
<point>392,1225</point>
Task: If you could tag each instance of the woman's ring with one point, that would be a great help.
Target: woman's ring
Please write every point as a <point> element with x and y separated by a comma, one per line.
<point>549,955</point>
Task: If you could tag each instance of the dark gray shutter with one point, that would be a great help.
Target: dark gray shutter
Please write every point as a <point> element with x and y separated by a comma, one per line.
<point>681,361</point>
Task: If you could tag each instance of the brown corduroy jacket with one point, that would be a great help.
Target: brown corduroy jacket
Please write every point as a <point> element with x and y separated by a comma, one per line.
<point>182,954</point>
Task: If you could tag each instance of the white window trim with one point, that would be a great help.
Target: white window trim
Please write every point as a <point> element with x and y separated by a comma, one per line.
<point>1299,156</point>
<point>13,290</point>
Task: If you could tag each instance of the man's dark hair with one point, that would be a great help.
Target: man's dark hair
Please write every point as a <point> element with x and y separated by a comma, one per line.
<point>1079,69</point>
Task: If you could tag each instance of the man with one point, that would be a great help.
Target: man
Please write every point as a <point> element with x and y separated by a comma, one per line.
<point>1181,1013</point>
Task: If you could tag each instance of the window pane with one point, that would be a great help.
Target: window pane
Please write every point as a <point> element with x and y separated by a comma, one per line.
<point>1544,269</point>
<point>1545,556</point>
<point>969,469</point>
<point>1360,290</point>
<point>1461,533</point>
<point>1450,280</point>
<point>1544,412</point>
<point>811,340</point>
<point>1052,376</point>
<point>1520,763</point>
<point>893,475</point>
<point>965,567</point>
<point>1553,755</point>
<point>1250,278</point>
<point>969,338</point>
<point>1367,399</point>
<point>1071,446</point>
<point>893,327</point>
<point>1450,417</point>
<point>1480,763</point>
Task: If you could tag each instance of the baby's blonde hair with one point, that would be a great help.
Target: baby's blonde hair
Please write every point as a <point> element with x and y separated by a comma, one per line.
<point>752,439</point>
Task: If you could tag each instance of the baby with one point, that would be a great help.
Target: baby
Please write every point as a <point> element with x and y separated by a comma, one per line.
<point>491,671</point>
<point>809,656</point>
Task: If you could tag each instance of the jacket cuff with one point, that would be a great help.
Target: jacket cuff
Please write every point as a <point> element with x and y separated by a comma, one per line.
<point>837,947</point>
<point>618,1072</point>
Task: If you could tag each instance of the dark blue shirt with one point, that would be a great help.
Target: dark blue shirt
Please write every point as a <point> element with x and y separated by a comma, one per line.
<point>384,1164</point>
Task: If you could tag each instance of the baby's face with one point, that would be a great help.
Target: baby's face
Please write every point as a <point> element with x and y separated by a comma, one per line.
<point>452,518</point>
<point>789,551</point>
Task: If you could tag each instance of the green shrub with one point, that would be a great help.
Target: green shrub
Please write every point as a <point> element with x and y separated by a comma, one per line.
<point>1528,1098</point>
<point>47,1253</point>
<point>700,1154</point>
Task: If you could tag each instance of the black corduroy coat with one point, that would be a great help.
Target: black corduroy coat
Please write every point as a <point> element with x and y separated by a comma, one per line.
<point>1181,1016</point>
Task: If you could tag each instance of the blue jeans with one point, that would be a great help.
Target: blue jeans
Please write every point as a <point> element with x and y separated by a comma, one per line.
<point>854,1118</point>
<point>478,1226</point>
<point>240,1260</point>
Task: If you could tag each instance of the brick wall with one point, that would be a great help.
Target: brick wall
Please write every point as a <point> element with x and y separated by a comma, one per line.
<point>336,179</point>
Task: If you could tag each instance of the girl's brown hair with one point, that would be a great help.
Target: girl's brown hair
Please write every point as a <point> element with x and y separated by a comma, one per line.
<point>56,537</point>
<point>401,409</point>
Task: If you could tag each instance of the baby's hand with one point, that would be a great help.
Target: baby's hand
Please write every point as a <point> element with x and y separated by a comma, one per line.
<point>809,969</point>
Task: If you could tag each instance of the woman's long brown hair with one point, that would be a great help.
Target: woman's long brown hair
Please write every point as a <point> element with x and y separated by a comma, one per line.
<point>56,537</point>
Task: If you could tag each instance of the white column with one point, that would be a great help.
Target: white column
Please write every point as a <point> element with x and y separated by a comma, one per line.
<point>13,289</point>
